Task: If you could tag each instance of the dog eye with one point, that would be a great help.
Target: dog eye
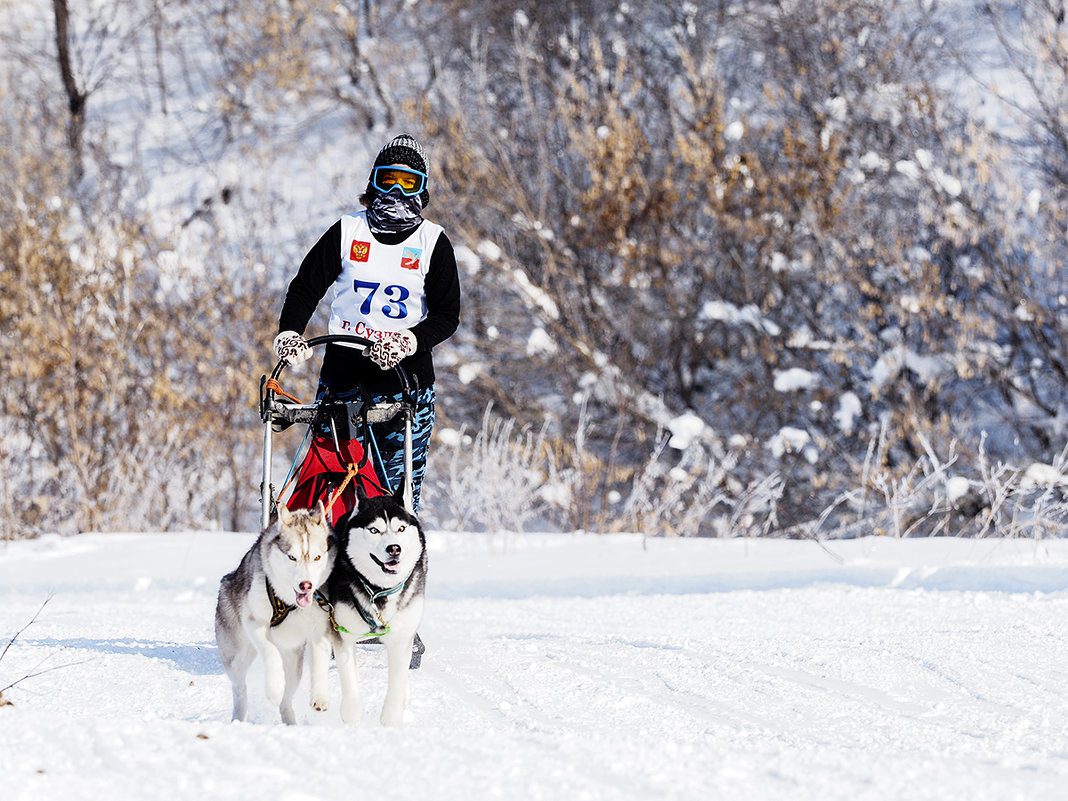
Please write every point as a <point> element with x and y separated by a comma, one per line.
<point>400,529</point>
<point>374,530</point>
<point>292,558</point>
<point>318,557</point>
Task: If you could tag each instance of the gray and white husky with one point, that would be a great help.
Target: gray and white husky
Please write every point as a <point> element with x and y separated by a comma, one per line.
<point>377,590</point>
<point>271,605</point>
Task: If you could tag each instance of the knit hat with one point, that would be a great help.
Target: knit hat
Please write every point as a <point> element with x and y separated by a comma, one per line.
<point>404,149</point>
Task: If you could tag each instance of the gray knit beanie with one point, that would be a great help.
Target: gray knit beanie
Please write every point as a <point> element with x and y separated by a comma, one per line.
<point>405,149</point>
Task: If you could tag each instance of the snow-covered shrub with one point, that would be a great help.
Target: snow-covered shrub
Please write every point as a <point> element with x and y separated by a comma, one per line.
<point>498,480</point>
<point>697,496</point>
<point>942,496</point>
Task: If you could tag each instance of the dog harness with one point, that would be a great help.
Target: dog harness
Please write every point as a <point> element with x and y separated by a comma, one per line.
<point>378,626</point>
<point>281,609</point>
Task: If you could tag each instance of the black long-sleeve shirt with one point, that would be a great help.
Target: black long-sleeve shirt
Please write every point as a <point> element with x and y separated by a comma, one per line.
<point>343,368</point>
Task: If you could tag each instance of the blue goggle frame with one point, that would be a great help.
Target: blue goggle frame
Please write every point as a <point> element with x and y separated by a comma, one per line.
<point>420,184</point>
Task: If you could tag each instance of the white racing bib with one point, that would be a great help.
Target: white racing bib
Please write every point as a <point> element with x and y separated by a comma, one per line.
<point>381,287</point>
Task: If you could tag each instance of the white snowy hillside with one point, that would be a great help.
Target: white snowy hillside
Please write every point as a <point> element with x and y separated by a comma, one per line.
<point>561,667</point>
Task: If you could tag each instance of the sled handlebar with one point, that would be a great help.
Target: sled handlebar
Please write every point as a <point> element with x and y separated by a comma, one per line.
<point>267,388</point>
<point>363,343</point>
<point>348,339</point>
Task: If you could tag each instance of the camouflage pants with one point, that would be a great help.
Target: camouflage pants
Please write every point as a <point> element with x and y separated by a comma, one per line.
<point>390,442</point>
<point>386,448</point>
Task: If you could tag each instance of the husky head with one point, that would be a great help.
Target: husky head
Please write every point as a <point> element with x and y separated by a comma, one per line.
<point>300,553</point>
<point>384,540</point>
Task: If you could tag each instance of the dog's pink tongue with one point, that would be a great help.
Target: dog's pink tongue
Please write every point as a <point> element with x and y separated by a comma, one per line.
<point>303,599</point>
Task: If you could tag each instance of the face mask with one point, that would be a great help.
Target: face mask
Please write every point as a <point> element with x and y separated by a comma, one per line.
<point>394,213</point>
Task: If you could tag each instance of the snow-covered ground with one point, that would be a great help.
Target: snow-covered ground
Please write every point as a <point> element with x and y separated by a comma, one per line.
<point>563,667</point>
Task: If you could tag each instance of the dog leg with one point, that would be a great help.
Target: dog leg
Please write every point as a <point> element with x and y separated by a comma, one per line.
<point>351,701</point>
<point>240,702</point>
<point>273,670</point>
<point>238,672</point>
<point>236,654</point>
<point>398,655</point>
<point>319,657</point>
<point>292,661</point>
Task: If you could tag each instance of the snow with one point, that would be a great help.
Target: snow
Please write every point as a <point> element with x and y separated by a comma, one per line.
<point>793,440</point>
<point>468,259</point>
<point>467,373</point>
<point>540,342</point>
<point>898,358</point>
<point>908,169</point>
<point>685,429</point>
<point>564,666</point>
<point>730,314</point>
<point>849,409</point>
<point>535,296</point>
<point>1044,475</point>
<point>795,379</point>
<point>734,131</point>
<point>956,488</point>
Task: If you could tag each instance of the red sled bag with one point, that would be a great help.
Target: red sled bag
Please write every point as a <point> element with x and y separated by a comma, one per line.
<point>325,470</point>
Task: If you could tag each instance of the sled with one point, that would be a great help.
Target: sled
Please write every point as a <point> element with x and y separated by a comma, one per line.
<point>336,460</point>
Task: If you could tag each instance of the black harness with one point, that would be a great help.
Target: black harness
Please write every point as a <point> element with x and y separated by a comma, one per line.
<point>280,609</point>
<point>377,626</point>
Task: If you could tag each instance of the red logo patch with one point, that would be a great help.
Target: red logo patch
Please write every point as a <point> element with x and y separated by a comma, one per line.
<point>410,258</point>
<point>360,251</point>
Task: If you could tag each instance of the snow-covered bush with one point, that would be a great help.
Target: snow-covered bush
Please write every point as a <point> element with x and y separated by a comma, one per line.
<point>499,480</point>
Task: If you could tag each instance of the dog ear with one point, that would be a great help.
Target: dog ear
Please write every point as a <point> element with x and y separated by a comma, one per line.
<point>361,491</point>
<point>341,527</point>
<point>402,498</point>
<point>320,511</point>
<point>285,517</point>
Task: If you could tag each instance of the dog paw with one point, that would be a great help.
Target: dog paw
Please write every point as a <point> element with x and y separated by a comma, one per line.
<point>274,691</point>
<point>352,714</point>
<point>320,704</point>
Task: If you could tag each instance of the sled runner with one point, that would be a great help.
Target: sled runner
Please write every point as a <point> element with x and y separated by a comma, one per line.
<point>340,444</point>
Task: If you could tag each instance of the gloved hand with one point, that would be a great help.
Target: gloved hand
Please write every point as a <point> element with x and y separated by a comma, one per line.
<point>388,351</point>
<point>291,347</point>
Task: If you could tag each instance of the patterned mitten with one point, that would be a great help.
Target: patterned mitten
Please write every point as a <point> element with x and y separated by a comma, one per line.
<point>291,347</point>
<point>388,351</point>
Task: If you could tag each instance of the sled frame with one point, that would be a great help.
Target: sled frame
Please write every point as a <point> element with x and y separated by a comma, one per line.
<point>275,409</point>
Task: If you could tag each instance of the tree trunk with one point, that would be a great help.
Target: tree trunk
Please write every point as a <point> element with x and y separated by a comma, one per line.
<point>76,96</point>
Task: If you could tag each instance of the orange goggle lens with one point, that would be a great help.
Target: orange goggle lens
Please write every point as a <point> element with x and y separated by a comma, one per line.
<point>410,182</point>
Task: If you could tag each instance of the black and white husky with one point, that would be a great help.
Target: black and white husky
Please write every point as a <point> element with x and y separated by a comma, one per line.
<point>377,590</point>
<point>271,605</point>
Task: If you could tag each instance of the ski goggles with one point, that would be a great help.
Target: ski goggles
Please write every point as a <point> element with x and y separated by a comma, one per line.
<point>410,182</point>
